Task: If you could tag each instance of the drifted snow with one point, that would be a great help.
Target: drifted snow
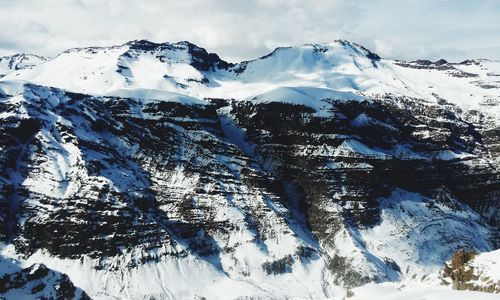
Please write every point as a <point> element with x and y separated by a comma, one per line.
<point>151,95</point>
<point>487,267</point>
<point>307,96</point>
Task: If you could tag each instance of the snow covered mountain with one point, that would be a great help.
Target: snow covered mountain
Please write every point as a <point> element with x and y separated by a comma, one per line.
<point>150,170</point>
<point>18,62</point>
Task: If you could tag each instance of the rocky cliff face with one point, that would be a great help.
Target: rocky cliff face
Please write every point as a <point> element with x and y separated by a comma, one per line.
<point>468,271</point>
<point>280,192</point>
<point>343,165</point>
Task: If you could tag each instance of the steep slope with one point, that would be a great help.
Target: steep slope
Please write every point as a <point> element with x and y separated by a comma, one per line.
<point>135,186</point>
<point>360,169</point>
<point>311,168</point>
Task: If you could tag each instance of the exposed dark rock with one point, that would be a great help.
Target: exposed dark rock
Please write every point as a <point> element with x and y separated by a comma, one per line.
<point>280,266</point>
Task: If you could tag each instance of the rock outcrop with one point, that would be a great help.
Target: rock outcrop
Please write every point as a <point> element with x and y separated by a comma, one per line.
<point>465,274</point>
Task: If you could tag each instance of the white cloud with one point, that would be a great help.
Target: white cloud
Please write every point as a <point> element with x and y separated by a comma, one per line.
<point>245,29</point>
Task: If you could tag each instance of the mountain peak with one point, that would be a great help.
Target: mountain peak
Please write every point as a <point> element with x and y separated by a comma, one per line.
<point>349,46</point>
<point>19,61</point>
<point>201,59</point>
<point>307,58</point>
<point>339,47</point>
<point>142,44</point>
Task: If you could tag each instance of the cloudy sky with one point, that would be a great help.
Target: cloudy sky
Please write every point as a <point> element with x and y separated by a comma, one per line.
<point>245,29</point>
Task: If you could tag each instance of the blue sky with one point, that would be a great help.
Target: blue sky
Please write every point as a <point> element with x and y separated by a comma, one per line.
<point>245,29</point>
